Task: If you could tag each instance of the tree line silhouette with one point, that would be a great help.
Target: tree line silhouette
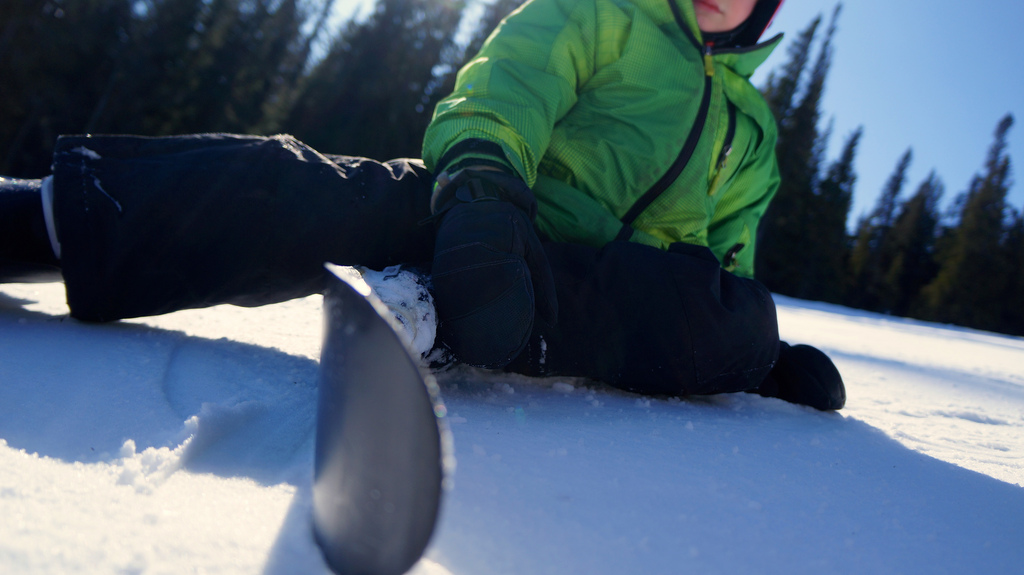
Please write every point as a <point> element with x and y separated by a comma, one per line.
<point>368,87</point>
<point>906,257</point>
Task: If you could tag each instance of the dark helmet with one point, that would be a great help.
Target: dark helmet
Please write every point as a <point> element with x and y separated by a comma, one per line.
<point>750,31</point>
<point>760,18</point>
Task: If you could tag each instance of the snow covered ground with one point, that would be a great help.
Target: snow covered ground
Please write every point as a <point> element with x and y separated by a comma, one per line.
<point>183,444</point>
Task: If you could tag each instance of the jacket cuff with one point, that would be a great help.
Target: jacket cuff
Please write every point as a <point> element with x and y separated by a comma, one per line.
<point>473,153</point>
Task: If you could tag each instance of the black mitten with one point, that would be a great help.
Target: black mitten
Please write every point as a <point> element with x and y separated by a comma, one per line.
<point>805,375</point>
<point>490,273</point>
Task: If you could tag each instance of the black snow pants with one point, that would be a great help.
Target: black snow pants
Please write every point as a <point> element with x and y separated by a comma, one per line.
<point>154,225</point>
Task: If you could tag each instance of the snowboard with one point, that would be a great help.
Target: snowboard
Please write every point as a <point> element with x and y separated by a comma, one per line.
<point>382,448</point>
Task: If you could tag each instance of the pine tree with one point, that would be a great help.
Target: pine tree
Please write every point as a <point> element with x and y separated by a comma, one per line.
<point>283,88</point>
<point>370,95</point>
<point>780,91</point>
<point>150,67</point>
<point>212,65</point>
<point>823,275</point>
<point>870,260</point>
<point>786,246</point>
<point>54,61</point>
<point>973,277</point>
<point>264,52</point>
<point>1013,248</point>
<point>910,249</point>
<point>148,70</point>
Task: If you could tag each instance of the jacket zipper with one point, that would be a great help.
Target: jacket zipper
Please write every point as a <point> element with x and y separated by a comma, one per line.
<point>689,146</point>
<point>691,140</point>
<point>723,156</point>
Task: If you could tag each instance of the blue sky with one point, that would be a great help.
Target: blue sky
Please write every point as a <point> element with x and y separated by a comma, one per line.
<point>933,75</point>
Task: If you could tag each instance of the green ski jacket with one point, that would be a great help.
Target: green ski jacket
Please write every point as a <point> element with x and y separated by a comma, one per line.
<point>621,120</point>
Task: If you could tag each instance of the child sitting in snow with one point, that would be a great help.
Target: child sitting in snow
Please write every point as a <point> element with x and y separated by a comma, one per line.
<point>587,205</point>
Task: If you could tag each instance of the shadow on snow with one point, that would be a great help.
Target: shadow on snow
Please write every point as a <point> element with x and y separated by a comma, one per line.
<point>553,476</point>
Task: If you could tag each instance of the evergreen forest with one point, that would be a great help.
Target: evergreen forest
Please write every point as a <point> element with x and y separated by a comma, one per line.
<point>367,86</point>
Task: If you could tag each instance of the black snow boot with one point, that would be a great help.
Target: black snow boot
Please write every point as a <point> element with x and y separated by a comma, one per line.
<point>804,375</point>
<point>26,254</point>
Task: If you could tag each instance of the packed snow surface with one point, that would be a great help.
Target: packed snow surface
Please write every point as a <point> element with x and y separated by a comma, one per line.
<point>184,443</point>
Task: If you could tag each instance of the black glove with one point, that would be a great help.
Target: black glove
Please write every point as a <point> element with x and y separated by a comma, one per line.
<point>490,273</point>
<point>805,375</point>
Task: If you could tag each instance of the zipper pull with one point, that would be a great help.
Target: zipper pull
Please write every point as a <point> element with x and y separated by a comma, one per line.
<point>719,170</point>
<point>709,64</point>
<point>724,156</point>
